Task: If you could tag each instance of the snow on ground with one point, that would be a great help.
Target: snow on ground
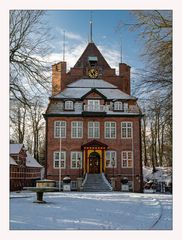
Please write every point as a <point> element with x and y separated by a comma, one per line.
<point>91,211</point>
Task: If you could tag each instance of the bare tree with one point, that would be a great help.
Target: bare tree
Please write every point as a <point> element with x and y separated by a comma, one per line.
<point>37,126</point>
<point>18,115</point>
<point>28,47</point>
<point>154,83</point>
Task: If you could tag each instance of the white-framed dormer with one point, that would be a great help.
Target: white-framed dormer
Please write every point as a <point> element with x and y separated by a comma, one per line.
<point>118,106</point>
<point>68,105</point>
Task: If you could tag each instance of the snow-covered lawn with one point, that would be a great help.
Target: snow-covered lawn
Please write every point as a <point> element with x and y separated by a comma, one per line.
<point>87,211</point>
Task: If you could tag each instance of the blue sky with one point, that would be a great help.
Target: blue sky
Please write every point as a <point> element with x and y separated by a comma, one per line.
<point>106,35</point>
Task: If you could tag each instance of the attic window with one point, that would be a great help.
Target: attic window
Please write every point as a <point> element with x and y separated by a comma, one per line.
<point>92,60</point>
<point>68,105</point>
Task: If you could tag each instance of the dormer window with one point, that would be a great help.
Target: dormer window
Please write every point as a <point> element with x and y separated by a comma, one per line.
<point>118,106</point>
<point>125,107</point>
<point>68,105</point>
<point>92,61</point>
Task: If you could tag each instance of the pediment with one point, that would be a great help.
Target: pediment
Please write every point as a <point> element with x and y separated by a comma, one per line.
<point>94,93</point>
<point>95,143</point>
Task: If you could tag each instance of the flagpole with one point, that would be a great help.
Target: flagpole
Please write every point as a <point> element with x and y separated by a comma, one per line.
<point>133,170</point>
<point>60,161</point>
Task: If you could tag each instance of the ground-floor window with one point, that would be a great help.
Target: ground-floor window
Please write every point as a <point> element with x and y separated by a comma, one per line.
<point>76,160</point>
<point>130,183</point>
<point>73,185</point>
<point>127,159</point>
<point>111,159</point>
<point>59,160</point>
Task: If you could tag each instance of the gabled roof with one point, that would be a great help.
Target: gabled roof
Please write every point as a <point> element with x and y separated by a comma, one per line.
<point>91,51</point>
<point>31,161</point>
<point>94,90</point>
<point>15,148</point>
<point>82,87</point>
<point>94,143</point>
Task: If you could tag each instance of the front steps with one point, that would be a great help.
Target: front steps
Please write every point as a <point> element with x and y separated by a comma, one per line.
<point>96,183</point>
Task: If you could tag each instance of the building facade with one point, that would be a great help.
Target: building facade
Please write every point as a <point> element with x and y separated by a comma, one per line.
<point>93,122</point>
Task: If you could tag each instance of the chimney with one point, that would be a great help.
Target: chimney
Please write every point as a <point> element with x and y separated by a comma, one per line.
<point>124,72</point>
<point>58,77</point>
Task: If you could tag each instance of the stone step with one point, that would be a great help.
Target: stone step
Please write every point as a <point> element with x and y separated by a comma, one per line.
<point>96,183</point>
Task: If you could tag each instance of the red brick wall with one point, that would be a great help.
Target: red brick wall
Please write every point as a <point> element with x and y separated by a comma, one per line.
<point>117,144</point>
<point>60,79</point>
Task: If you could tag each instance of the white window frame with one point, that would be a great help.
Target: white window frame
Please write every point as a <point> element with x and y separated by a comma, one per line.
<point>78,156</point>
<point>93,128</point>
<point>126,159</point>
<point>118,106</point>
<point>125,107</point>
<point>94,105</point>
<point>57,129</point>
<point>56,159</point>
<point>127,129</point>
<point>111,154</point>
<point>110,130</point>
<point>68,105</point>
<point>79,129</point>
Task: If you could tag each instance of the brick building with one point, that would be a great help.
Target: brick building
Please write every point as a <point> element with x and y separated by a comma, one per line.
<point>24,169</point>
<point>95,122</point>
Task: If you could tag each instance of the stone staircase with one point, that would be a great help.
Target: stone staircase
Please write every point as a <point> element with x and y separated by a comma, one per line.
<point>96,183</point>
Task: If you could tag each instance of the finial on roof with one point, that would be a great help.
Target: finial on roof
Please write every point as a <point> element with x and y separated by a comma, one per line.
<point>90,40</point>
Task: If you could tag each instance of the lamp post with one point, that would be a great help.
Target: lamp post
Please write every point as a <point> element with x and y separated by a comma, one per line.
<point>79,165</point>
<point>113,164</point>
<point>60,160</point>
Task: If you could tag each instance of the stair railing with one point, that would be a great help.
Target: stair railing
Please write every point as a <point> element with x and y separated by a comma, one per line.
<point>85,179</point>
<point>106,181</point>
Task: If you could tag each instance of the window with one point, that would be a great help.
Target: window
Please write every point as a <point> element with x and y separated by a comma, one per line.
<point>60,126</point>
<point>93,129</point>
<point>110,156</point>
<point>68,105</point>
<point>110,130</point>
<point>118,106</point>
<point>125,106</point>
<point>130,183</point>
<point>57,159</point>
<point>93,105</point>
<point>127,159</point>
<point>73,185</point>
<point>76,160</point>
<point>126,130</point>
<point>77,129</point>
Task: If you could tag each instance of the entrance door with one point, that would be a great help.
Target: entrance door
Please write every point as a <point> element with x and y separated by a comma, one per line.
<point>94,163</point>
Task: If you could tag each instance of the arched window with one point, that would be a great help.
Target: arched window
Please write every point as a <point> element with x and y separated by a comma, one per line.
<point>68,105</point>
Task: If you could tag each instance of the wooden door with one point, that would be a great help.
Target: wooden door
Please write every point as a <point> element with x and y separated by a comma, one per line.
<point>94,163</point>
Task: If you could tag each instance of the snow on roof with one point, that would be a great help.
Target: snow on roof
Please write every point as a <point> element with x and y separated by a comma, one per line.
<point>91,83</point>
<point>73,93</point>
<point>31,162</point>
<point>115,94</point>
<point>12,161</point>
<point>109,93</point>
<point>15,148</point>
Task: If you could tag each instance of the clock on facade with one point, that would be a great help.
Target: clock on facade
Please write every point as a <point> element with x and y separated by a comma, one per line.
<point>93,73</point>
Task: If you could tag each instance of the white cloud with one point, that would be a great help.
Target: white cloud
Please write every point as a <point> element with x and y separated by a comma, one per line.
<point>73,36</point>
<point>69,35</point>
